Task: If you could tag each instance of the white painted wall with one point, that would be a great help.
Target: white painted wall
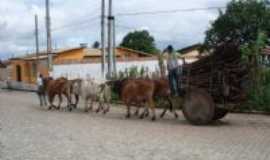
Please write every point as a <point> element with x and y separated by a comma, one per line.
<point>72,71</point>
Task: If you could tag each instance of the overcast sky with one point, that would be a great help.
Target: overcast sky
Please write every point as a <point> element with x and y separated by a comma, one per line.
<point>76,21</point>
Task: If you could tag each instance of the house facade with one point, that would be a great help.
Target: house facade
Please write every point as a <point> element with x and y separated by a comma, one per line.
<point>25,69</point>
<point>192,53</point>
<point>89,65</point>
<point>3,71</point>
<point>83,62</point>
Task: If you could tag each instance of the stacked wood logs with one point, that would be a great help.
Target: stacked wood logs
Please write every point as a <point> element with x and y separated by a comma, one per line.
<point>222,74</point>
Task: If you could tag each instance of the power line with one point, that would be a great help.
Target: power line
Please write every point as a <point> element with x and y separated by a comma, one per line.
<point>86,17</point>
<point>168,11</point>
<point>82,22</point>
<point>136,28</point>
<point>125,27</point>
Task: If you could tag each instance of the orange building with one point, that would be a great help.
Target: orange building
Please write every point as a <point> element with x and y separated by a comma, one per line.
<point>25,68</point>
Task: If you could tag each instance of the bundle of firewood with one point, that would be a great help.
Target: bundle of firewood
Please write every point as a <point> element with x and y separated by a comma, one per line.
<point>222,74</point>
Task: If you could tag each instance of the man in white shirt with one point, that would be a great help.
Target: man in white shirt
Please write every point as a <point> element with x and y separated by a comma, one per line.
<point>173,69</point>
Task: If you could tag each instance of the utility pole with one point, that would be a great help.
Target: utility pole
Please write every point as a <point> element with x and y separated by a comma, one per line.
<point>49,38</point>
<point>110,47</point>
<point>103,49</point>
<point>114,49</point>
<point>37,44</point>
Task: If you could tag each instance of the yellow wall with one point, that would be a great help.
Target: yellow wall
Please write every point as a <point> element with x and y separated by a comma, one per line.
<point>126,53</point>
<point>24,70</point>
<point>76,55</point>
<point>27,70</point>
<point>28,74</point>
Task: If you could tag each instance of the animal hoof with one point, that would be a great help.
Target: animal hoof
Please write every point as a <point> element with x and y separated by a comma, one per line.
<point>106,111</point>
<point>161,116</point>
<point>86,111</point>
<point>153,118</point>
<point>142,116</point>
<point>136,114</point>
<point>128,116</point>
<point>50,108</point>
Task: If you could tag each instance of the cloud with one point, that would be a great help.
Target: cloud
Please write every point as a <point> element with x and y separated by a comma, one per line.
<point>75,22</point>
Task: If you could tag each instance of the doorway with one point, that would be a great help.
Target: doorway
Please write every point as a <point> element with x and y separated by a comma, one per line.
<point>19,73</point>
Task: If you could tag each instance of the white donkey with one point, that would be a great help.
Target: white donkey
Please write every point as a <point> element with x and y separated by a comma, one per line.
<point>91,91</point>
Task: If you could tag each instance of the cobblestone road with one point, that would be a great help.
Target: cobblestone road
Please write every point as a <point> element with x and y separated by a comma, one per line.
<point>28,132</point>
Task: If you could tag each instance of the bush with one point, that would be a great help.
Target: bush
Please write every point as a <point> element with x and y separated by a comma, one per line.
<point>132,72</point>
<point>259,97</point>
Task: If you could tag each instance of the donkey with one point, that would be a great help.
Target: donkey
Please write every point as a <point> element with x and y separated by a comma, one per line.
<point>91,92</point>
<point>58,87</point>
<point>136,91</point>
<point>162,90</point>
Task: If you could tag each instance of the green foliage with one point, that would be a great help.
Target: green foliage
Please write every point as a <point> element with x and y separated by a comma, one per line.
<point>132,72</point>
<point>141,41</point>
<point>254,48</point>
<point>241,23</point>
<point>259,98</point>
<point>246,23</point>
<point>115,97</point>
<point>259,92</point>
<point>96,45</point>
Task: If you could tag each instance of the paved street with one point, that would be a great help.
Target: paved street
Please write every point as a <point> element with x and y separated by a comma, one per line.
<point>28,132</point>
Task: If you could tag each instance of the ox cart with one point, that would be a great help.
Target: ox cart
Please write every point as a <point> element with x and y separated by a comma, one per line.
<point>212,84</point>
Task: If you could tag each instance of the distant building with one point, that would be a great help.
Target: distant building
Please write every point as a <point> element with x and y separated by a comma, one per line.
<point>3,71</point>
<point>74,63</point>
<point>192,53</point>
<point>88,63</point>
<point>83,62</point>
<point>2,65</point>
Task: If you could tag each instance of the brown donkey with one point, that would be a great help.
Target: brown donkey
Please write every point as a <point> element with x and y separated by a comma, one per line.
<point>162,91</point>
<point>136,92</point>
<point>58,87</point>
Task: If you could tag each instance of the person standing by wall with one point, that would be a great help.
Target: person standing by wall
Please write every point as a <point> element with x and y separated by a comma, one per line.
<point>41,91</point>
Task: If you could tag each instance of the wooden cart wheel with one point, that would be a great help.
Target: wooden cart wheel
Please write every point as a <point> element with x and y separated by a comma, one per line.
<point>199,107</point>
<point>220,113</point>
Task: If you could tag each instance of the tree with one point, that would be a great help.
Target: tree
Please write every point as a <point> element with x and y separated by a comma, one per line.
<point>141,41</point>
<point>240,23</point>
<point>258,95</point>
<point>251,53</point>
<point>96,44</point>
